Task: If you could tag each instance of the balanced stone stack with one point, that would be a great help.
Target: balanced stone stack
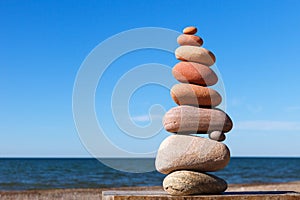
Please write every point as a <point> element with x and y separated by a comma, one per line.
<point>184,156</point>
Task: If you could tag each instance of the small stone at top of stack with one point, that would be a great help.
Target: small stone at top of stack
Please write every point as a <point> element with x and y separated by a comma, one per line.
<point>183,156</point>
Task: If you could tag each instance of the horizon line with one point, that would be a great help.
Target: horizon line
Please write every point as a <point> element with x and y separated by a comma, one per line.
<point>86,157</point>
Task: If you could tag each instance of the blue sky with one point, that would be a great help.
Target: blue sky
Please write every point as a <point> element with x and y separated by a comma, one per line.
<point>43,44</point>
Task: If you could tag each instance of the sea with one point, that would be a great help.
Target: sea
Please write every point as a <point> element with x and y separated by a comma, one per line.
<point>50,173</point>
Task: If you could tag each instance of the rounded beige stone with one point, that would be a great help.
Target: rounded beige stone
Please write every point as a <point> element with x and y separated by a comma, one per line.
<point>191,40</point>
<point>186,152</point>
<point>195,73</point>
<point>217,136</point>
<point>189,183</point>
<point>190,94</point>
<point>190,120</point>
<point>195,54</point>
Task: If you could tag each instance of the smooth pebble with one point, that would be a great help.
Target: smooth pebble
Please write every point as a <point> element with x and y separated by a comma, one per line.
<point>217,136</point>
<point>186,152</point>
<point>189,183</point>
<point>190,120</point>
<point>190,94</point>
<point>191,40</point>
<point>195,54</point>
<point>195,73</point>
<point>190,30</point>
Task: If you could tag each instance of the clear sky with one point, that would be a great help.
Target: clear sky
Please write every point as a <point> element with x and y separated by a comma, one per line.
<point>43,44</point>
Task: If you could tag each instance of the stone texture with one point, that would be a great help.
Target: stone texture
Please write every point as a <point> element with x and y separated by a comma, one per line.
<point>190,94</point>
<point>195,54</point>
<point>186,152</point>
<point>190,120</point>
<point>217,136</point>
<point>195,73</point>
<point>190,30</point>
<point>189,183</point>
<point>191,40</point>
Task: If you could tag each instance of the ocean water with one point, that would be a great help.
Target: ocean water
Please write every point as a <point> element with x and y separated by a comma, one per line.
<point>25,174</point>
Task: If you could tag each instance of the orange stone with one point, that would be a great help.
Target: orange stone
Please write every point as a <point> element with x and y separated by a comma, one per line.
<point>191,72</point>
<point>195,54</point>
<point>191,30</point>
<point>190,94</point>
<point>191,40</point>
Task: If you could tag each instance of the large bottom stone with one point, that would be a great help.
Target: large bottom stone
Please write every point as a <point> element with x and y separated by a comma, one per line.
<point>188,182</point>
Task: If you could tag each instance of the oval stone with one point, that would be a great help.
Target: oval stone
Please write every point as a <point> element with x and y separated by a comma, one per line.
<point>195,54</point>
<point>190,30</point>
<point>189,182</point>
<point>186,152</point>
<point>191,40</point>
<point>191,72</point>
<point>190,94</point>
<point>191,120</point>
<point>217,136</point>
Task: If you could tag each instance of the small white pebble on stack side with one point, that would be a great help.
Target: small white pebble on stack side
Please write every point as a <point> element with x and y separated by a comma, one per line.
<point>187,158</point>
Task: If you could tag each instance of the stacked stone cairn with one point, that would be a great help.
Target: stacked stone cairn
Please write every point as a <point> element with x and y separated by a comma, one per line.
<point>185,156</point>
